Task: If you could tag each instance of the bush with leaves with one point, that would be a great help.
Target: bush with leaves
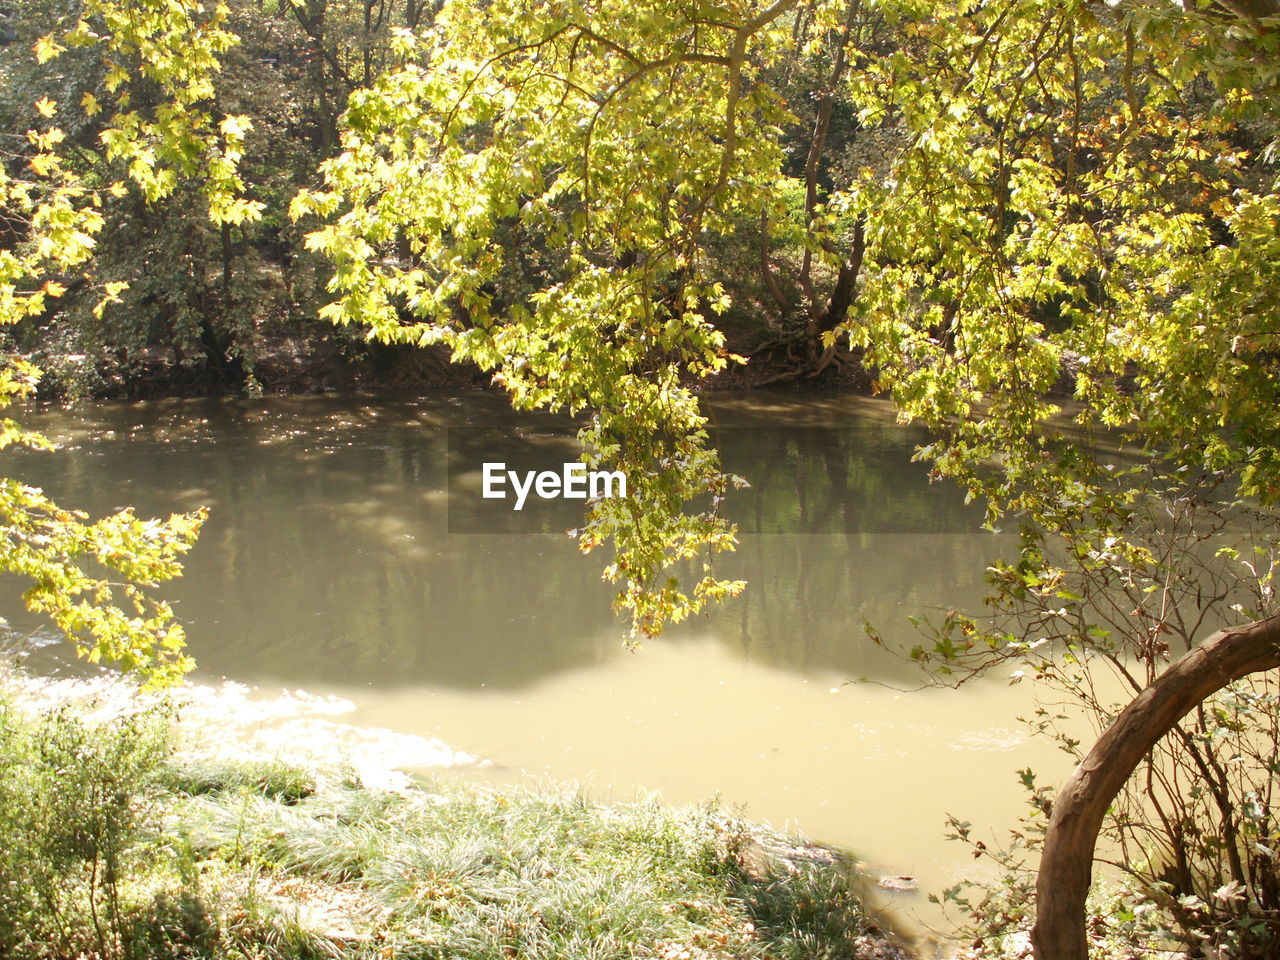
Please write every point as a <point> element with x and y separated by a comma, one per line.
<point>74,800</point>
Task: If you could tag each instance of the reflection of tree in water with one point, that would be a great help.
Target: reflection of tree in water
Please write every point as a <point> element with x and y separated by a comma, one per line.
<point>810,594</point>
<point>838,480</point>
<point>328,558</point>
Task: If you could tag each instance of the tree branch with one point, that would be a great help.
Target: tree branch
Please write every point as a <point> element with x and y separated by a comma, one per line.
<point>1066,864</point>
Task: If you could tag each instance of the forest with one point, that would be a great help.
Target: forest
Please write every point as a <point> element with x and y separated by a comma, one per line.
<point>233,306</point>
<point>1024,252</point>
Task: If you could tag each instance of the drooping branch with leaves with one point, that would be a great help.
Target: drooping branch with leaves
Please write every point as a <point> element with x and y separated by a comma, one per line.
<point>534,189</point>
<point>95,579</point>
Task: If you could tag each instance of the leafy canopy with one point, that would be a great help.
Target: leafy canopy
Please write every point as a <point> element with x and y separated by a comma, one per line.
<point>1082,192</point>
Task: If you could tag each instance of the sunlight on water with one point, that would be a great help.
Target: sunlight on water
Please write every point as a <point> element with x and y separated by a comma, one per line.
<point>858,765</point>
<point>234,722</point>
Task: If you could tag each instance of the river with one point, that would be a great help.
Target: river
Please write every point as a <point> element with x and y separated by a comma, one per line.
<point>347,554</point>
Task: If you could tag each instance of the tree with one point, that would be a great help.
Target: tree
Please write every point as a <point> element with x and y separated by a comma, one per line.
<point>1070,199</point>
<point>1109,216</point>
<point>201,294</point>
<point>524,126</point>
<point>93,579</point>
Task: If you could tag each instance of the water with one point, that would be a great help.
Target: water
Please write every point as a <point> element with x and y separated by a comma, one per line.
<point>334,562</point>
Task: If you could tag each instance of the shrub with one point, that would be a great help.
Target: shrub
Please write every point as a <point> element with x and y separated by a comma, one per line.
<point>73,800</point>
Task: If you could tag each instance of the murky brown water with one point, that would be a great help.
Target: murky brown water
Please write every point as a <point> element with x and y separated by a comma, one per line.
<point>328,565</point>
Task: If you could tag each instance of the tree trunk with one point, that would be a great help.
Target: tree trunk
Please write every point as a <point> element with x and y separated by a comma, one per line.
<point>1066,865</point>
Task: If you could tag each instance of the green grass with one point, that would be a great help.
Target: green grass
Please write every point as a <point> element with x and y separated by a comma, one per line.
<point>272,778</point>
<point>466,872</point>
<point>114,847</point>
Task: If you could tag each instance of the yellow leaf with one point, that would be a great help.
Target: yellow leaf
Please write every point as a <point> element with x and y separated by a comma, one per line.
<point>233,128</point>
<point>43,164</point>
<point>47,48</point>
<point>46,107</point>
<point>115,76</point>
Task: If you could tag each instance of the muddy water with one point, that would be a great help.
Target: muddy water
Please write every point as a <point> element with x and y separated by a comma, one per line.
<point>348,554</point>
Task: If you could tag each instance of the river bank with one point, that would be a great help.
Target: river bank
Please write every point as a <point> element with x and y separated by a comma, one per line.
<point>298,365</point>
<point>127,836</point>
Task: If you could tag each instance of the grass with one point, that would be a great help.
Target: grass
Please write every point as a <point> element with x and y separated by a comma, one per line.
<point>117,848</point>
